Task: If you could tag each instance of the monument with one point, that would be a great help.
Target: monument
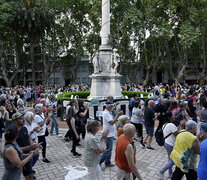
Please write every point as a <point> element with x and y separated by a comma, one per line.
<point>105,79</point>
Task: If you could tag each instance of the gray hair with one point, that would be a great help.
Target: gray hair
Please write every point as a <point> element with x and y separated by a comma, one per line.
<point>28,116</point>
<point>38,107</point>
<point>121,120</point>
<point>92,125</point>
<point>190,124</point>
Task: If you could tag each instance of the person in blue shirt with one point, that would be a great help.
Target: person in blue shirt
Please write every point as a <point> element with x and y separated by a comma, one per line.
<point>131,103</point>
<point>202,172</point>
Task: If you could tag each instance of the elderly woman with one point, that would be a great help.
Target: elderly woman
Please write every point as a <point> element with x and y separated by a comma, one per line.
<point>93,147</point>
<point>41,121</point>
<point>184,152</point>
<point>122,120</point>
<point>31,125</point>
<point>136,120</point>
<point>13,155</point>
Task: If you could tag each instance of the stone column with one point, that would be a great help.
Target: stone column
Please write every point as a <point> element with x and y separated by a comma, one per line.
<point>105,31</point>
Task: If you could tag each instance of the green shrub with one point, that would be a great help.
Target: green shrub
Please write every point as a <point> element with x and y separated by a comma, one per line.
<point>85,94</point>
<point>80,94</point>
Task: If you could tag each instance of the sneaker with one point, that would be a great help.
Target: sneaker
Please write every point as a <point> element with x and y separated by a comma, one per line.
<point>66,139</point>
<point>150,148</point>
<point>48,145</point>
<point>76,155</point>
<point>45,160</point>
<point>33,172</point>
<point>142,144</point>
<point>162,177</point>
<point>109,165</point>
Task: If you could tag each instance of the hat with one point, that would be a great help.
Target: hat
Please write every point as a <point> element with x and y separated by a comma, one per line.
<point>16,116</point>
<point>109,103</point>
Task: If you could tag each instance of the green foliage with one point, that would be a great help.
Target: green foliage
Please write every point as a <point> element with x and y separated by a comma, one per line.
<point>85,94</point>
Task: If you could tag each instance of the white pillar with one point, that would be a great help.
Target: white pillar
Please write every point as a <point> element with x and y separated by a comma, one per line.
<point>105,31</point>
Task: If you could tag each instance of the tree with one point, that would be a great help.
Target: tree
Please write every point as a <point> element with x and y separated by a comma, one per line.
<point>31,20</point>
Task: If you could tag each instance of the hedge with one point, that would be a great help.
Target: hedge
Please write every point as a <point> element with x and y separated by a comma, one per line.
<point>85,94</point>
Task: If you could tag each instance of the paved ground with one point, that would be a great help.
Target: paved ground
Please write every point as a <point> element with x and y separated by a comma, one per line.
<point>148,162</point>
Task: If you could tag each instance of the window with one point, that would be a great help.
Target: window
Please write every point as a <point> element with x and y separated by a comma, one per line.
<point>84,69</point>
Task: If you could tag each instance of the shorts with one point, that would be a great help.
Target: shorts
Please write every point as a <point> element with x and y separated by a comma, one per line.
<point>150,131</point>
<point>27,169</point>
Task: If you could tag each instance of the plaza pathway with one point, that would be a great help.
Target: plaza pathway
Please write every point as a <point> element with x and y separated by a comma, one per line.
<point>148,162</point>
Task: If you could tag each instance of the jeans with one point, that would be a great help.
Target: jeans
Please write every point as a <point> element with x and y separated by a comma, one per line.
<point>54,123</point>
<point>95,172</point>
<point>106,155</point>
<point>170,162</point>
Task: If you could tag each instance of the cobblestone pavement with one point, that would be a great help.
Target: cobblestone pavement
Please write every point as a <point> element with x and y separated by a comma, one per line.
<point>148,162</point>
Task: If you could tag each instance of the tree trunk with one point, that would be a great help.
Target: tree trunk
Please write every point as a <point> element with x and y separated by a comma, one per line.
<point>32,62</point>
<point>147,77</point>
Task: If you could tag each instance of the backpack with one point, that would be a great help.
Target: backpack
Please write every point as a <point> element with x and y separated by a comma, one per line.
<point>160,139</point>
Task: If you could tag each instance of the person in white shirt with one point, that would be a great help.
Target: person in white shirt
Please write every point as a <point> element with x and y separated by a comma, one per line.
<point>136,120</point>
<point>109,124</point>
<point>41,121</point>
<point>170,131</point>
<point>31,126</point>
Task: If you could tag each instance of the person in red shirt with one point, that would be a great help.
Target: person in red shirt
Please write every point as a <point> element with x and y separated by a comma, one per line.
<point>125,154</point>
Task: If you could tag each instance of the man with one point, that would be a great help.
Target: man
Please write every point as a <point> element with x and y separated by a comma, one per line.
<point>25,144</point>
<point>185,151</point>
<point>111,98</point>
<point>53,104</point>
<point>125,154</point>
<point>131,103</point>
<point>109,124</point>
<point>149,116</point>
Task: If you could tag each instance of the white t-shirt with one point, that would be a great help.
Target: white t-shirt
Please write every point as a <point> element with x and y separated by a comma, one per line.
<point>30,128</point>
<point>136,115</point>
<point>167,129</point>
<point>39,119</point>
<point>107,117</point>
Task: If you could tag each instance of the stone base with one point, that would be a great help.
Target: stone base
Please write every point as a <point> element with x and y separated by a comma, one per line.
<point>104,85</point>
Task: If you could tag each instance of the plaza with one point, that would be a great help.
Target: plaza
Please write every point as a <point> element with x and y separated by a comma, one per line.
<point>148,162</point>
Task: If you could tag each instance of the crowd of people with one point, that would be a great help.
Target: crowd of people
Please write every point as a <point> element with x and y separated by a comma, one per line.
<point>29,115</point>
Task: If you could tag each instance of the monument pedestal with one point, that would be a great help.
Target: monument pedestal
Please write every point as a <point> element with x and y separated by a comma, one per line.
<point>104,85</point>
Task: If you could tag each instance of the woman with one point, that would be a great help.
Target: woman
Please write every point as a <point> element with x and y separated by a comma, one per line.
<point>174,107</point>
<point>93,147</point>
<point>11,111</point>
<point>83,115</point>
<point>41,121</point>
<point>170,131</point>
<point>13,155</point>
<point>73,104</point>
<point>75,130</point>
<point>136,120</point>
<point>30,125</point>
<point>122,120</point>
